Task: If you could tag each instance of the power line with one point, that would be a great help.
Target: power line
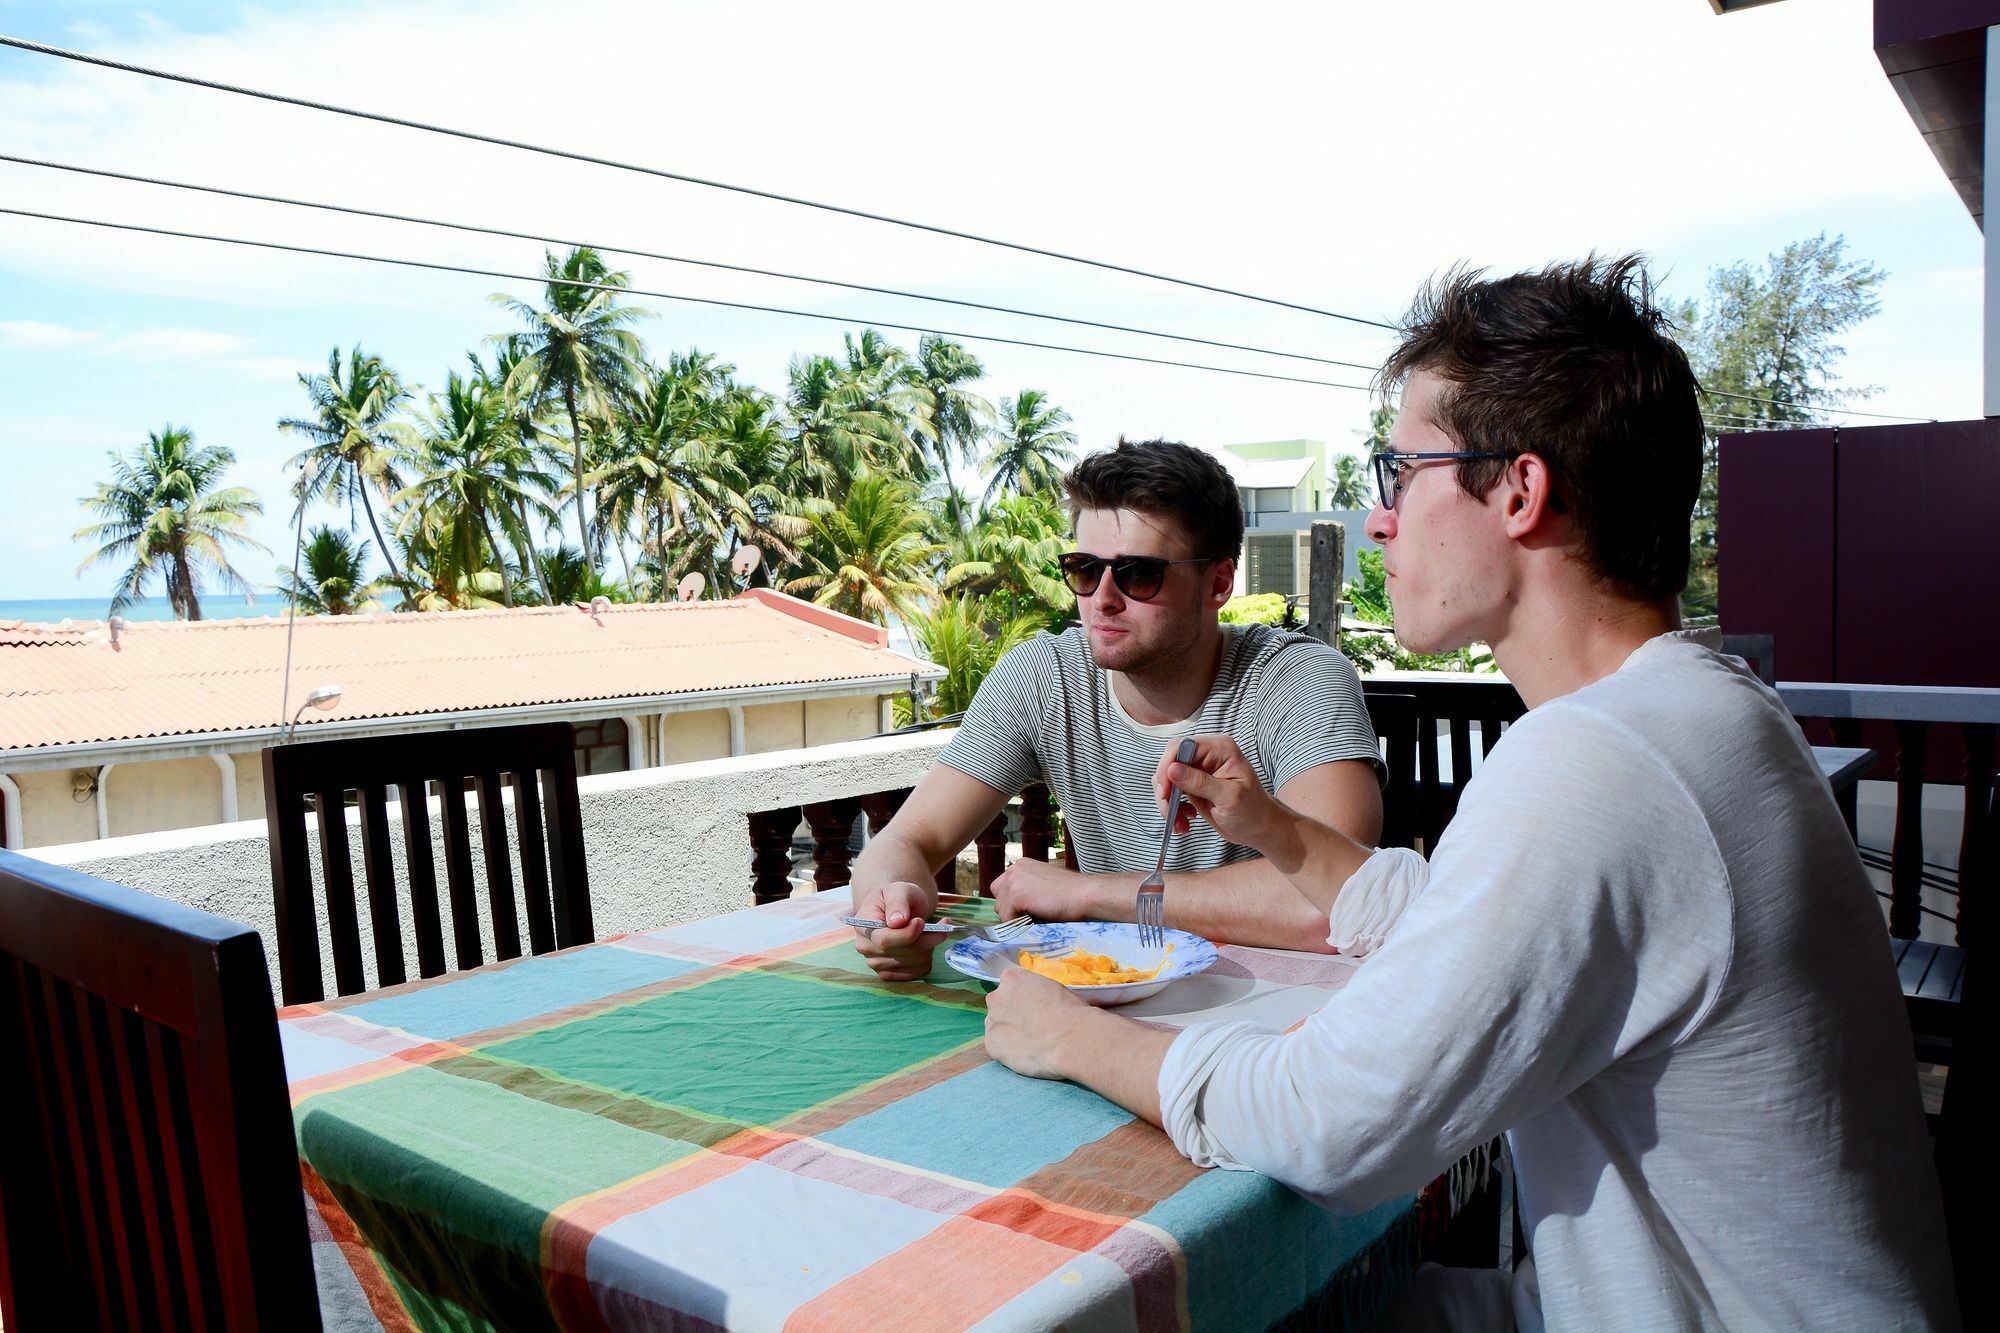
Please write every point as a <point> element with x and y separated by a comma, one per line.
<point>672,259</point>
<point>80,57</point>
<point>677,296</point>
<point>1813,407</point>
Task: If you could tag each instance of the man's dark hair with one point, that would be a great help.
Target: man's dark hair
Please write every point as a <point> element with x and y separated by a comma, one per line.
<point>1573,364</point>
<point>1165,479</point>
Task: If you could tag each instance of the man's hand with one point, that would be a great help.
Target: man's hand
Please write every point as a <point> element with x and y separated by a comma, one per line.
<point>1221,787</point>
<point>1044,890</point>
<point>1025,1020</point>
<point>900,951</point>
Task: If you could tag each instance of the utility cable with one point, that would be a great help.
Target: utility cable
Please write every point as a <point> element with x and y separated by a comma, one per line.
<point>544,279</point>
<point>42,48</point>
<point>672,259</point>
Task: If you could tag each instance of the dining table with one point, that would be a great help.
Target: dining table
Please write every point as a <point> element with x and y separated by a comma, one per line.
<point>731,1124</point>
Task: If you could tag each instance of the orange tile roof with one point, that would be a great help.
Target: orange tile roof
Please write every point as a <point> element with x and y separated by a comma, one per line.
<point>69,684</point>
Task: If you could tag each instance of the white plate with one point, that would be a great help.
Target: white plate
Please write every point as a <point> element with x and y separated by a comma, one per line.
<point>985,960</point>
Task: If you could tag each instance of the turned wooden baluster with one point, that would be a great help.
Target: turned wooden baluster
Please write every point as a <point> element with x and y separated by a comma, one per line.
<point>992,845</point>
<point>832,825</point>
<point>1847,732</point>
<point>1906,858</point>
<point>1035,826</point>
<point>881,807</point>
<point>771,853</point>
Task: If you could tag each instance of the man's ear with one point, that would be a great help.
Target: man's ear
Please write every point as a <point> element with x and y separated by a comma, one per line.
<point>1221,582</point>
<point>1528,497</point>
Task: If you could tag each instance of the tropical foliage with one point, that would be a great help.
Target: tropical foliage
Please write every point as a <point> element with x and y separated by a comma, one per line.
<point>165,512</point>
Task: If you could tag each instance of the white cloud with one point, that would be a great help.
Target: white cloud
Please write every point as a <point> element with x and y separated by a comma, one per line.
<point>171,345</point>
<point>34,333</point>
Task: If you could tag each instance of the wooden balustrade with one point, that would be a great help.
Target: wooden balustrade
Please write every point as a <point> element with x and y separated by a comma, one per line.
<point>1448,709</point>
<point>832,826</point>
<point>1921,719</point>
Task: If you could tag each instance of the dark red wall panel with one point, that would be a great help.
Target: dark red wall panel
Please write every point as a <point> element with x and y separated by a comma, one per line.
<point>1775,548</point>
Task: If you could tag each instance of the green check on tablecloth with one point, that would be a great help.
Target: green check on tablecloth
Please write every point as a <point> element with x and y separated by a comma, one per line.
<point>731,1124</point>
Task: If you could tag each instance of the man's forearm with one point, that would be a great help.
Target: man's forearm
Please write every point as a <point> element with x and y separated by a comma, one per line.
<point>889,859</point>
<point>1117,1058</point>
<point>1315,858</point>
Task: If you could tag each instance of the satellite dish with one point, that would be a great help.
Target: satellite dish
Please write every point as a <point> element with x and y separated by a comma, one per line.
<point>691,586</point>
<point>745,561</point>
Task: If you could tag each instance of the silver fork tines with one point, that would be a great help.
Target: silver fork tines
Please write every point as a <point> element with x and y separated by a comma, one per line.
<point>1151,910</point>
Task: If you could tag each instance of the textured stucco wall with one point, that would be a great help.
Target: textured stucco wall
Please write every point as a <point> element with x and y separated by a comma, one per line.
<point>249,783</point>
<point>695,736</point>
<point>768,727</point>
<point>663,845</point>
<point>849,719</point>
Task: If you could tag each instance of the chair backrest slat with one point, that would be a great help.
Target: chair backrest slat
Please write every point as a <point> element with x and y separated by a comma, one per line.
<point>297,913</point>
<point>534,861</point>
<point>542,854</point>
<point>148,1173</point>
<point>458,875</point>
<point>1394,717</point>
<point>425,918</point>
<point>380,868</point>
<point>499,869</point>
<point>343,925</point>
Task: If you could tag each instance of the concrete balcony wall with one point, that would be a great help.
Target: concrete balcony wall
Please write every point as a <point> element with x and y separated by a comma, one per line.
<point>663,845</point>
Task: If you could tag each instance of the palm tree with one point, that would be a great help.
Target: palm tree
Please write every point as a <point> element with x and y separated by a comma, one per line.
<point>1033,446</point>
<point>579,349</point>
<point>954,635</point>
<point>1008,559</point>
<point>948,417</point>
<point>833,431</point>
<point>335,582</point>
<point>1350,483</point>
<point>356,441</point>
<point>667,471</point>
<point>476,480</point>
<point>164,511</point>
<point>870,556</point>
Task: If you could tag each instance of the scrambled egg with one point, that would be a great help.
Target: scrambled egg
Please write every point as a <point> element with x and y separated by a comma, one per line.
<point>1089,969</point>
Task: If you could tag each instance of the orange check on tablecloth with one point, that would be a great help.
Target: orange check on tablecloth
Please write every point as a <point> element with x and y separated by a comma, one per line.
<point>731,1124</point>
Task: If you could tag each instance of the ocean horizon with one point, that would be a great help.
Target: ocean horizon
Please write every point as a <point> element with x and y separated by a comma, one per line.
<point>55,610</point>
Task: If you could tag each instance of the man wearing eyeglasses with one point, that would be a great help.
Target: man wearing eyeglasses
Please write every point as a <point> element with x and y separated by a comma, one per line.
<point>1645,948</point>
<point>1158,529</point>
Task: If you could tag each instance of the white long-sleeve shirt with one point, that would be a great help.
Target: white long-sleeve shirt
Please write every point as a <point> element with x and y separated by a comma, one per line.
<point>1646,950</point>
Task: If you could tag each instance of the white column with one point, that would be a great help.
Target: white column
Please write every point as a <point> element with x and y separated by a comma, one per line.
<point>635,743</point>
<point>1990,221</point>
<point>885,707</point>
<point>227,763</point>
<point>10,833</point>
<point>735,729</point>
<point>103,806</point>
<point>660,741</point>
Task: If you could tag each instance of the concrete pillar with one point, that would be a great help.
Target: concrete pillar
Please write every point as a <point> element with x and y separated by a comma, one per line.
<point>10,832</point>
<point>227,764</point>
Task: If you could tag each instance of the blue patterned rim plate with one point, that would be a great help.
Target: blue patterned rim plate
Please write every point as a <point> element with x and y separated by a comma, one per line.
<point>984,960</point>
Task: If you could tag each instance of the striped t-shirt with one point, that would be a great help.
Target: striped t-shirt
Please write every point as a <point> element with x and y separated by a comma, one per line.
<point>1046,713</point>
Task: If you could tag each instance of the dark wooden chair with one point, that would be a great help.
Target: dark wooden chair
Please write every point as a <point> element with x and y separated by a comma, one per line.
<point>148,1174</point>
<point>539,762</point>
<point>1395,719</point>
<point>1759,651</point>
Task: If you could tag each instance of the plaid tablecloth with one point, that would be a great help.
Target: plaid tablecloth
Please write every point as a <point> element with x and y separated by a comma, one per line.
<point>730,1124</point>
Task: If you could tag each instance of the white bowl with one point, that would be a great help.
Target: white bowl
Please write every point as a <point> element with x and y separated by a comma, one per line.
<point>985,960</point>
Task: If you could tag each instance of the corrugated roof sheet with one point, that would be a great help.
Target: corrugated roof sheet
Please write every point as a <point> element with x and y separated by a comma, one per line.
<point>68,684</point>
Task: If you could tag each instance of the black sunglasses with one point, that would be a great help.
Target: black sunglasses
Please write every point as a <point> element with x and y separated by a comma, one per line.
<point>1390,467</point>
<point>1137,576</point>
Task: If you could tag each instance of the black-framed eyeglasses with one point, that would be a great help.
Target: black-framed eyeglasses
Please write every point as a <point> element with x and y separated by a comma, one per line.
<point>1390,467</point>
<point>1139,577</point>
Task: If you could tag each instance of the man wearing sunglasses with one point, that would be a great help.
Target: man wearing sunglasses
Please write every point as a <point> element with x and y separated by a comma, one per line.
<point>1158,527</point>
<point>1645,948</point>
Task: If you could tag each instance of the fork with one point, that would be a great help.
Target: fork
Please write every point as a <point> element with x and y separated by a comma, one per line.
<point>1152,902</point>
<point>1000,933</point>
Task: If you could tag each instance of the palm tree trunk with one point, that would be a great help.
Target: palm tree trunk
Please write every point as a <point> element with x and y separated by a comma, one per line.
<point>500,559</point>
<point>185,573</point>
<point>368,508</point>
<point>950,488</point>
<point>576,452</point>
<point>531,554</point>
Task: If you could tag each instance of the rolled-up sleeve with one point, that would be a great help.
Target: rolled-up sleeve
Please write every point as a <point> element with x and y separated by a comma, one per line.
<point>1374,899</point>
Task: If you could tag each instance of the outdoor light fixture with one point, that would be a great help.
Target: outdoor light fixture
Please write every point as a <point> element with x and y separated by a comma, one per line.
<point>322,697</point>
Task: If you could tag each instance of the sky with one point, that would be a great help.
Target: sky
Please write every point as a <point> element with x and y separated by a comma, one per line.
<point>1334,155</point>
